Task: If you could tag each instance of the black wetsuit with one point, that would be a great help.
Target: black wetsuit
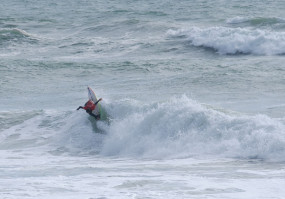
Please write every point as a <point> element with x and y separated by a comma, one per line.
<point>89,111</point>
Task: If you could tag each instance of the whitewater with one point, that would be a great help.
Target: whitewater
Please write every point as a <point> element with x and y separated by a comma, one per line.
<point>193,90</point>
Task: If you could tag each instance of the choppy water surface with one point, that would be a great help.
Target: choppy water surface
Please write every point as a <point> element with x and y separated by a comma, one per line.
<point>194,92</point>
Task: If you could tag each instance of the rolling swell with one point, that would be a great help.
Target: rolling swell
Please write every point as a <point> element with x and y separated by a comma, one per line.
<point>269,24</point>
<point>256,21</point>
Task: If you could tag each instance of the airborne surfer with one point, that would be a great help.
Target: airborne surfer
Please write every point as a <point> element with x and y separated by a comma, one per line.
<point>89,107</point>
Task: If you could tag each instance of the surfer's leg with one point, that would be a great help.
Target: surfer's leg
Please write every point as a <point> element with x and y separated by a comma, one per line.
<point>97,117</point>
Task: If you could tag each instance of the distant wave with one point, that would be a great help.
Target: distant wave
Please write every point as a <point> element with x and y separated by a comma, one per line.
<point>236,20</point>
<point>255,21</point>
<point>14,35</point>
<point>234,40</point>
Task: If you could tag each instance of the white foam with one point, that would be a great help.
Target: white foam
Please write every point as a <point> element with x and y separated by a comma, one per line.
<point>235,40</point>
<point>53,131</point>
<point>183,128</point>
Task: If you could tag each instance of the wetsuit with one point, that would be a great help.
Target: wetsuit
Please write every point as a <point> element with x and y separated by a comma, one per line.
<point>89,111</point>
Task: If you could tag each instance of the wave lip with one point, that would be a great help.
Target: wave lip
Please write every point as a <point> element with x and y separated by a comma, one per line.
<point>234,40</point>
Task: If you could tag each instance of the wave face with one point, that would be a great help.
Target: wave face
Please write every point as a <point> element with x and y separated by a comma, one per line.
<point>178,128</point>
<point>227,40</point>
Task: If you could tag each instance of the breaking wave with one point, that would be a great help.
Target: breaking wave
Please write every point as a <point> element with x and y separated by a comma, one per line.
<point>177,128</point>
<point>226,40</point>
<point>183,128</point>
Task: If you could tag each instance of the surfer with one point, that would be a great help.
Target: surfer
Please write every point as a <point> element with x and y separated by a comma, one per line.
<point>89,107</point>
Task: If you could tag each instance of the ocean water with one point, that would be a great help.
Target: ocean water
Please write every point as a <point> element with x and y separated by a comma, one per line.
<point>194,92</point>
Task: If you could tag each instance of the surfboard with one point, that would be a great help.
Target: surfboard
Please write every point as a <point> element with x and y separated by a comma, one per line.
<point>91,95</point>
<point>98,109</point>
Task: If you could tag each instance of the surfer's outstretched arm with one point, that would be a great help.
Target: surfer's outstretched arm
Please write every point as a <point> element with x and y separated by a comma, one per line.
<point>79,107</point>
<point>98,101</point>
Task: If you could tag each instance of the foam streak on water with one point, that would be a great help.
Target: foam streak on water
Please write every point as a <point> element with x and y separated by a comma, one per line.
<point>121,178</point>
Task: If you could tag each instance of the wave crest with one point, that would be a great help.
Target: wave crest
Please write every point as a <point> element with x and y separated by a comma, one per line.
<point>234,40</point>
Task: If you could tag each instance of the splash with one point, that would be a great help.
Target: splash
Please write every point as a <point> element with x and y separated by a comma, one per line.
<point>183,128</point>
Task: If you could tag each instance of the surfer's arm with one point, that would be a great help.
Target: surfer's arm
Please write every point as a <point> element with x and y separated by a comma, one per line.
<point>98,101</point>
<point>79,107</point>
